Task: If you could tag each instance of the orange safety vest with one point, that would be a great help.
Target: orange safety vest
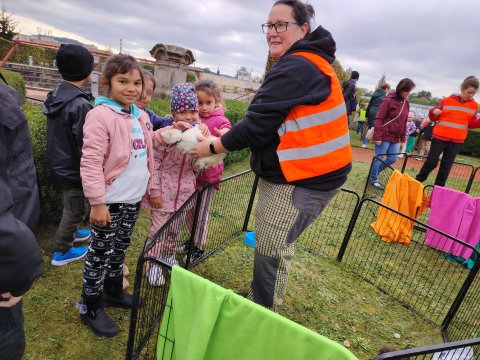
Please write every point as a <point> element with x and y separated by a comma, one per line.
<point>314,139</point>
<point>454,119</point>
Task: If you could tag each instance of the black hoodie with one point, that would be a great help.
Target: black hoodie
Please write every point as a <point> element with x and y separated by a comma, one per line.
<point>66,108</point>
<point>293,81</point>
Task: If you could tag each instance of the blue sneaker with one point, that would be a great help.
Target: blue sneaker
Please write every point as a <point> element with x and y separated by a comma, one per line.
<point>81,235</point>
<point>75,253</point>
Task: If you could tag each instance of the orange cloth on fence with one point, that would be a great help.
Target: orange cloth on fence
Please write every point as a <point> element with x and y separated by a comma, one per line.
<point>406,195</point>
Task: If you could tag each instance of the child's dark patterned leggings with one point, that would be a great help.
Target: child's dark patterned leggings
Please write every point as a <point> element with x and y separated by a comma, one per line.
<point>108,245</point>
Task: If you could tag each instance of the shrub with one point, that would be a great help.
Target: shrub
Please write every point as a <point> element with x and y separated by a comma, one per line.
<point>234,111</point>
<point>471,146</point>
<point>15,80</point>
<point>51,199</point>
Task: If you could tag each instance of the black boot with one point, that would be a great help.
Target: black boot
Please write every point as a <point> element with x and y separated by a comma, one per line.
<point>94,316</point>
<point>114,294</point>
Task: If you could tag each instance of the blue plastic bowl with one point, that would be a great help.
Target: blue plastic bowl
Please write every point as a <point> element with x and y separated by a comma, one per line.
<point>249,238</point>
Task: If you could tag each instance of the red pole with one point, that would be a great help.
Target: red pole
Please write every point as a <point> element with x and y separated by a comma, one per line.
<point>15,45</point>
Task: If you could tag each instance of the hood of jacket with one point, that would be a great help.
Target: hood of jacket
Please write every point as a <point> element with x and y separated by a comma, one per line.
<point>378,93</point>
<point>102,100</point>
<point>320,42</point>
<point>61,96</point>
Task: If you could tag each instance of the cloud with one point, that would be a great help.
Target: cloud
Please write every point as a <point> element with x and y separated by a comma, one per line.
<point>434,43</point>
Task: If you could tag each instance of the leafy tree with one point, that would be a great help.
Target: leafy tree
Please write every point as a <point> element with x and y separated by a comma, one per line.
<point>7,25</point>
<point>425,94</point>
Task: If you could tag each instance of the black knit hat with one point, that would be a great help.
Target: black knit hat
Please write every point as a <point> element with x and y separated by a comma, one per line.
<point>74,62</point>
<point>355,75</point>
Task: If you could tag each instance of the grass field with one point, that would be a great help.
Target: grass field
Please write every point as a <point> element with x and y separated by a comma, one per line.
<point>323,294</point>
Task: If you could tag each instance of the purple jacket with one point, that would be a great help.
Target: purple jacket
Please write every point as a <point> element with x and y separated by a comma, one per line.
<point>389,109</point>
<point>217,120</point>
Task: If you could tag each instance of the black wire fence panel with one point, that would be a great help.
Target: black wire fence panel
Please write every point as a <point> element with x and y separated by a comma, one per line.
<point>221,215</point>
<point>458,350</point>
<point>370,191</point>
<point>418,276</point>
<point>457,179</point>
<point>466,321</point>
<point>475,187</point>
<point>324,236</point>
<point>148,309</point>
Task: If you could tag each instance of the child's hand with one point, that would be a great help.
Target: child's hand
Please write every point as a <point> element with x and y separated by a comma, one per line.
<point>181,125</point>
<point>220,132</point>
<point>99,215</point>
<point>204,129</point>
<point>156,202</point>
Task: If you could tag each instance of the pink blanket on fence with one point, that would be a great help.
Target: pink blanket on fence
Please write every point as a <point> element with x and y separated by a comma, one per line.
<point>456,214</point>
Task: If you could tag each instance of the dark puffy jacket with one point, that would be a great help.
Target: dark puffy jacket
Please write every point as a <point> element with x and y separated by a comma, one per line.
<point>20,257</point>
<point>349,95</point>
<point>66,108</point>
<point>374,104</point>
<point>392,107</point>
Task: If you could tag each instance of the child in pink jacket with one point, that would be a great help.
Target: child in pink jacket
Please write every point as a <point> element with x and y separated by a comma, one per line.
<point>117,171</point>
<point>211,112</point>
<point>177,173</point>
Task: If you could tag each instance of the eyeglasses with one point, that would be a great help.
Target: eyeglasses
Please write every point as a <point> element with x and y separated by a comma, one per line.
<point>279,27</point>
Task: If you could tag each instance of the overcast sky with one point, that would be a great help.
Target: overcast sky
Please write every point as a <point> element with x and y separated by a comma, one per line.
<point>434,42</point>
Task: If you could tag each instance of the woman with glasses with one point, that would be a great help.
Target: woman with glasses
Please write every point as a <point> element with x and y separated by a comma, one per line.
<point>296,128</point>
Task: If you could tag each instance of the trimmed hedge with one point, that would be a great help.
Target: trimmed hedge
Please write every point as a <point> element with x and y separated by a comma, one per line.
<point>234,111</point>
<point>15,80</point>
<point>471,146</point>
<point>51,198</point>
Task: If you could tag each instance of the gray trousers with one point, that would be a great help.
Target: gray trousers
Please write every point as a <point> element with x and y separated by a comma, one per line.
<point>72,216</point>
<point>283,213</point>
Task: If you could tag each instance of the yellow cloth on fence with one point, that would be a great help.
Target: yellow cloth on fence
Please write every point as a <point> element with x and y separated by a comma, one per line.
<point>406,195</point>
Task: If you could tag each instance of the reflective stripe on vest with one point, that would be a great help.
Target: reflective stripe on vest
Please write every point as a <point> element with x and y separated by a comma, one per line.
<point>454,119</point>
<point>314,139</point>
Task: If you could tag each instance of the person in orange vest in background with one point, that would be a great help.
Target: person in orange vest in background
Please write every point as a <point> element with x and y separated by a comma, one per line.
<point>297,130</point>
<point>454,116</point>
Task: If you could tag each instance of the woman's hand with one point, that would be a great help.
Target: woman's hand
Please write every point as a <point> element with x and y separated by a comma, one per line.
<point>220,132</point>
<point>204,129</point>
<point>202,149</point>
<point>436,112</point>
<point>9,300</point>
<point>99,215</point>
<point>156,202</point>
<point>377,142</point>
<point>181,125</point>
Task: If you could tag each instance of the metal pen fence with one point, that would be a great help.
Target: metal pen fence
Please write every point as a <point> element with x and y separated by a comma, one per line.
<point>419,277</point>
<point>461,175</point>
<point>458,350</point>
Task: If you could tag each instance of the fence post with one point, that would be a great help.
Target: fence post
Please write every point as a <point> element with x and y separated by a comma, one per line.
<point>348,234</point>
<point>198,203</point>
<point>470,181</point>
<point>250,204</point>
<point>459,299</point>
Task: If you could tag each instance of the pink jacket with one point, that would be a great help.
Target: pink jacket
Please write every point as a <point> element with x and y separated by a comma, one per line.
<point>106,151</point>
<point>176,174</point>
<point>216,120</point>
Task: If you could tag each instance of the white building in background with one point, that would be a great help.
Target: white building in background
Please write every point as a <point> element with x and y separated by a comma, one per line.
<point>244,74</point>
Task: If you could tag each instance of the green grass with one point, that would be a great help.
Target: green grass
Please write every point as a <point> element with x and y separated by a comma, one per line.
<point>323,295</point>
